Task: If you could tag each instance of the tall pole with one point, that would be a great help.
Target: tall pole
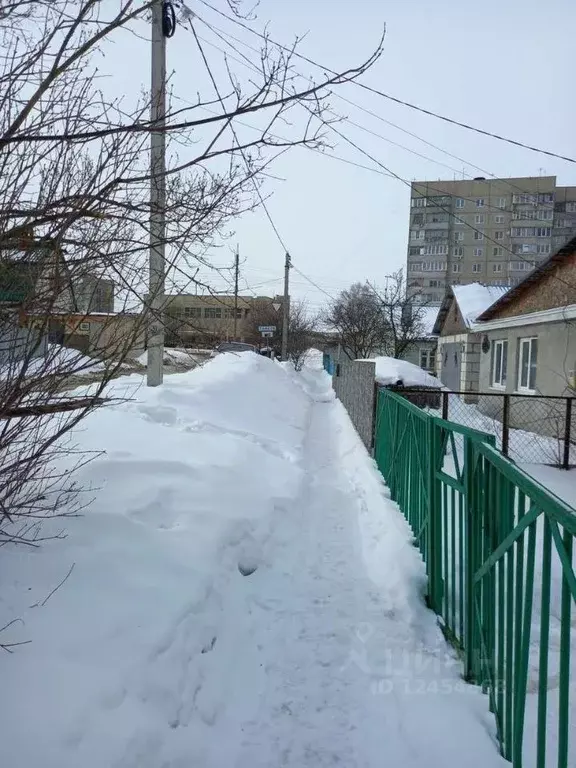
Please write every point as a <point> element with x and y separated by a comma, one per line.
<point>155,369</point>
<point>236,276</point>
<point>286,308</point>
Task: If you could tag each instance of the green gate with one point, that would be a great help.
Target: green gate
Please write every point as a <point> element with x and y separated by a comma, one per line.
<point>494,541</point>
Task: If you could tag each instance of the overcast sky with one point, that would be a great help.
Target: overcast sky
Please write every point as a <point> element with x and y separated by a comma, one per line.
<point>506,67</point>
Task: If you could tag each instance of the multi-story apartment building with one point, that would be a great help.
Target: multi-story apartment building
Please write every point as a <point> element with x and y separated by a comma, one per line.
<point>490,231</point>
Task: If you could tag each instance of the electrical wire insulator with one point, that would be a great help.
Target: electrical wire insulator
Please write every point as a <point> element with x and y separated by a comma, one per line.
<point>168,19</point>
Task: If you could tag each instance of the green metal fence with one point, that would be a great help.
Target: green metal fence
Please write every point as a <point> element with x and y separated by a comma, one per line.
<point>498,549</point>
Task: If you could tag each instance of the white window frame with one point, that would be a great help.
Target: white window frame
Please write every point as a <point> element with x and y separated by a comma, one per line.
<point>458,237</point>
<point>476,268</point>
<point>499,354</point>
<point>480,202</point>
<point>457,267</point>
<point>460,202</point>
<point>478,235</point>
<point>501,202</point>
<point>527,345</point>
<point>499,235</point>
<point>497,267</point>
<point>497,250</point>
<point>478,252</point>
<point>499,219</point>
<point>479,218</point>
<point>427,356</point>
<point>458,252</point>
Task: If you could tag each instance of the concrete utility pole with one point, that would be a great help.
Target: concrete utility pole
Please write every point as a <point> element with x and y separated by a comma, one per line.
<point>236,276</point>
<point>154,369</point>
<point>286,308</point>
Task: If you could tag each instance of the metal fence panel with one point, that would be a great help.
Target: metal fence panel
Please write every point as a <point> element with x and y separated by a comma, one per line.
<point>498,548</point>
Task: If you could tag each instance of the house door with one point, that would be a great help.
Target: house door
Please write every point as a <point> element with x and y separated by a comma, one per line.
<point>451,365</point>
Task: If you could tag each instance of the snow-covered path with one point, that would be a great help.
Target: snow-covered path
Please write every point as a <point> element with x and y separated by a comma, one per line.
<point>263,610</point>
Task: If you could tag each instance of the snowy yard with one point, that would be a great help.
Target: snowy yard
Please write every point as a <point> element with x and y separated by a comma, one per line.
<point>244,595</point>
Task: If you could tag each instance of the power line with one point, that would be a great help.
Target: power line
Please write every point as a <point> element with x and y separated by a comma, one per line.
<point>396,100</point>
<point>224,37</point>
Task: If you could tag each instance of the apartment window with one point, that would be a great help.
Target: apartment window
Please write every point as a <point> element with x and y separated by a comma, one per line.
<point>527,362</point>
<point>543,248</point>
<point>480,202</point>
<point>571,207</point>
<point>476,268</point>
<point>523,199</point>
<point>496,267</point>
<point>212,313</point>
<point>417,234</point>
<point>418,202</point>
<point>499,219</point>
<point>499,363</point>
<point>418,219</point>
<point>478,235</point>
<point>501,202</point>
<point>434,266</point>
<point>497,251</point>
<point>415,250</point>
<point>458,252</point>
<point>499,235</point>
<point>460,202</point>
<point>456,267</point>
<point>546,215</point>
<point>428,359</point>
<point>547,197</point>
<point>435,250</point>
<point>479,218</point>
<point>435,284</point>
<point>521,266</point>
<point>543,231</point>
<point>458,237</point>
<point>478,251</point>
<point>416,266</point>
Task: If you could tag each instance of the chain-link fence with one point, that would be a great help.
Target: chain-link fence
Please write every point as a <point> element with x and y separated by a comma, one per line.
<point>530,429</point>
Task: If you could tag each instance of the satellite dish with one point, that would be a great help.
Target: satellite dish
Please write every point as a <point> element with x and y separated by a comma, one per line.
<point>276,306</point>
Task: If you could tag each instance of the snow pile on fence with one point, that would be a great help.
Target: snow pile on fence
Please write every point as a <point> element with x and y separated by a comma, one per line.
<point>390,371</point>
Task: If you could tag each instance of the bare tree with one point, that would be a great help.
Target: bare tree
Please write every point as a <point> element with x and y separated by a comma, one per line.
<point>403,316</point>
<point>74,212</point>
<point>358,318</point>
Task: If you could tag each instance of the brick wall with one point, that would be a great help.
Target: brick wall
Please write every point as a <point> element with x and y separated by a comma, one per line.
<point>555,289</point>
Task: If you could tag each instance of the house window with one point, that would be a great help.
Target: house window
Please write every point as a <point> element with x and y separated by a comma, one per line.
<point>458,252</point>
<point>499,363</point>
<point>478,235</point>
<point>428,359</point>
<point>212,313</point>
<point>478,251</point>
<point>456,267</point>
<point>497,251</point>
<point>499,235</point>
<point>527,362</point>
<point>501,202</point>
<point>458,237</point>
<point>496,267</point>
<point>460,202</point>
<point>499,219</point>
<point>476,267</point>
<point>480,202</point>
<point>479,218</point>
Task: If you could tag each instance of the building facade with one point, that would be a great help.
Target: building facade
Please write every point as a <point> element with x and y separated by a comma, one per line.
<point>491,231</point>
<point>209,319</point>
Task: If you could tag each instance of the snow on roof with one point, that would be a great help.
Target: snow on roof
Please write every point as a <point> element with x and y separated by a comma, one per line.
<point>428,318</point>
<point>392,371</point>
<point>473,299</point>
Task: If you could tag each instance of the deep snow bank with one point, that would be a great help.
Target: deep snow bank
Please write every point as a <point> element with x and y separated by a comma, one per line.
<point>192,472</point>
